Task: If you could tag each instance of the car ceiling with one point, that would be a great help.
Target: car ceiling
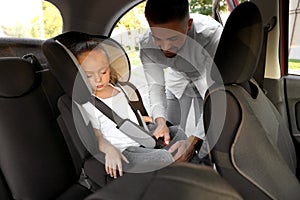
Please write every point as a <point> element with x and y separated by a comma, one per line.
<point>96,18</point>
<point>100,15</point>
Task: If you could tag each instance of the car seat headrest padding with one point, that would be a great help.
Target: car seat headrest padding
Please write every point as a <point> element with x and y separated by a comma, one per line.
<point>117,55</point>
<point>17,77</point>
<point>240,44</point>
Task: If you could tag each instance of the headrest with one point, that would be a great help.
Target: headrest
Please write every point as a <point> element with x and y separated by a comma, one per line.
<point>240,44</point>
<point>64,67</point>
<point>17,76</point>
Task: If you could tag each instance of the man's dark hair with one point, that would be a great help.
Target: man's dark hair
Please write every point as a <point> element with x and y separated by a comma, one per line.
<point>163,11</point>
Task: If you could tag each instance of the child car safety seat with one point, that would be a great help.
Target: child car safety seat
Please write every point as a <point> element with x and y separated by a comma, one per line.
<point>251,146</point>
<point>34,159</point>
<point>120,63</point>
<point>80,133</point>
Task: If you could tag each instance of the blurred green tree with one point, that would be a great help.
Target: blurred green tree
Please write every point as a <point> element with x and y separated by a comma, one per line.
<point>49,24</point>
<point>205,6</point>
<point>134,19</point>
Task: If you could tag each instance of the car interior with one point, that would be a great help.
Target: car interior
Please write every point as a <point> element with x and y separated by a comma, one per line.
<point>251,113</point>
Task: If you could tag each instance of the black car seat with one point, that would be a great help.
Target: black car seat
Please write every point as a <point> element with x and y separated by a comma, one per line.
<point>79,134</point>
<point>251,146</point>
<point>181,181</point>
<point>34,158</point>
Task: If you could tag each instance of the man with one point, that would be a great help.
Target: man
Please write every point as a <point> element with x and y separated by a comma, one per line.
<point>176,54</point>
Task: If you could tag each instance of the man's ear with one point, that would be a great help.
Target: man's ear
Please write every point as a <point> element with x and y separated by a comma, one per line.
<point>190,23</point>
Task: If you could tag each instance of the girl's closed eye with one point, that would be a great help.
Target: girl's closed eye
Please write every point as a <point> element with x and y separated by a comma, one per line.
<point>88,75</point>
<point>104,71</point>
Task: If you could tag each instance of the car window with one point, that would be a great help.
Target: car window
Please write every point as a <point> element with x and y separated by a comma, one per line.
<point>29,19</point>
<point>294,37</point>
<point>128,31</point>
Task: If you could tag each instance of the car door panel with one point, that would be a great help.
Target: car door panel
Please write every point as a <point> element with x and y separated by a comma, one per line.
<point>293,102</point>
<point>274,89</point>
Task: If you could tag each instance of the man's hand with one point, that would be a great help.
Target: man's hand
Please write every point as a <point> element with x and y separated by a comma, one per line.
<point>113,161</point>
<point>162,130</point>
<point>185,150</point>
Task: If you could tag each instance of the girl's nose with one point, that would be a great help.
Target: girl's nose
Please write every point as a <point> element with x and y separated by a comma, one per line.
<point>98,78</point>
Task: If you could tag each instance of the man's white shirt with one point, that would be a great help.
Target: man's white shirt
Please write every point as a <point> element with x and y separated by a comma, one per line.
<point>192,63</point>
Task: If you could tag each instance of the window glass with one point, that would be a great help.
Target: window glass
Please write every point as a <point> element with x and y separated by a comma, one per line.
<point>128,31</point>
<point>29,19</point>
<point>294,37</point>
<point>206,7</point>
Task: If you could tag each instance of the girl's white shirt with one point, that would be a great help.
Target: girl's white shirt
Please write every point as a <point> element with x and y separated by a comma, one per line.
<point>118,104</point>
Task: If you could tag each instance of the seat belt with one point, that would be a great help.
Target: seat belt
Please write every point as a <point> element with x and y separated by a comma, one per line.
<point>216,11</point>
<point>135,111</point>
<point>259,74</point>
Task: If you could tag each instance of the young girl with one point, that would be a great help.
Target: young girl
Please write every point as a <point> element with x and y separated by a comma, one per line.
<point>116,146</point>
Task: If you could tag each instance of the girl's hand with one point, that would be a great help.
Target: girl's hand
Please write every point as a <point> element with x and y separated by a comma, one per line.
<point>113,156</point>
<point>113,161</point>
